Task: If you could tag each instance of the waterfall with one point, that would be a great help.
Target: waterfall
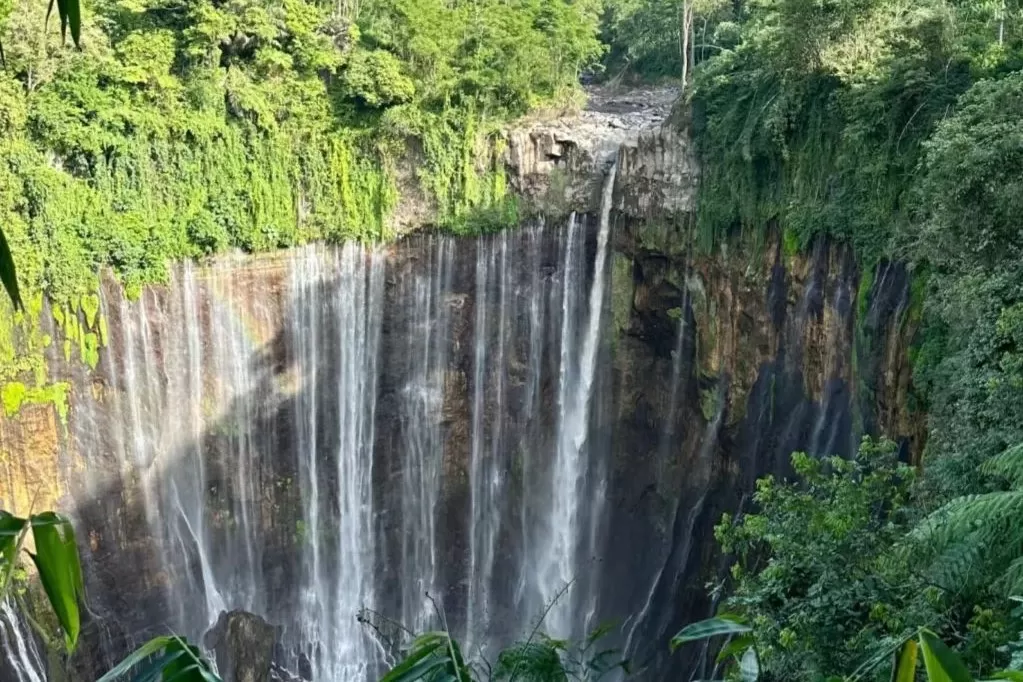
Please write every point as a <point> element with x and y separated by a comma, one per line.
<point>328,436</point>
<point>485,466</point>
<point>18,651</point>
<point>559,561</point>
<point>425,352</point>
<point>341,291</point>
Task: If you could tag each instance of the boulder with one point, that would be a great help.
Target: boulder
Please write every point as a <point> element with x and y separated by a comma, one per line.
<point>243,644</point>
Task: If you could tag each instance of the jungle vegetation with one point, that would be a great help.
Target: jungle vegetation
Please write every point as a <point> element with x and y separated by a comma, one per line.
<point>894,125</point>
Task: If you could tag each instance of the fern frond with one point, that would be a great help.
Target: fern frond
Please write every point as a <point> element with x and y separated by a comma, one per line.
<point>971,539</point>
<point>535,661</point>
<point>1011,581</point>
<point>973,513</point>
<point>959,564</point>
<point>1008,465</point>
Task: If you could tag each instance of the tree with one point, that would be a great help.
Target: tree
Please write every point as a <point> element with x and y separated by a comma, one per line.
<point>70,14</point>
<point>55,559</point>
<point>813,573</point>
<point>657,39</point>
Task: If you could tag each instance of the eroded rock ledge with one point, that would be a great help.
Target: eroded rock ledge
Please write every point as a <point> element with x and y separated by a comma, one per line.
<point>557,164</point>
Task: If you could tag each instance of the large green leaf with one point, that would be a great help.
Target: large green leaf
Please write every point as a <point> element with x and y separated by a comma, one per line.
<point>420,659</point>
<point>8,273</point>
<point>60,572</point>
<point>943,664</point>
<point>712,627</point>
<point>168,659</point>
<point>423,669</point>
<point>74,20</point>
<point>434,657</point>
<point>905,665</point>
<point>734,648</point>
<point>150,648</point>
<point>749,666</point>
<point>181,662</point>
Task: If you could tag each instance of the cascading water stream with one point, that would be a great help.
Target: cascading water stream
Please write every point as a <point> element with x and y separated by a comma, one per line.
<point>559,559</point>
<point>17,648</point>
<point>440,432</point>
<point>338,526</point>
<point>485,469</point>
<point>422,399</point>
<point>340,429</point>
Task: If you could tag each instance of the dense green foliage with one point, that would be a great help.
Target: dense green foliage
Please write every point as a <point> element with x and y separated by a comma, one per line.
<point>973,542</point>
<point>816,120</point>
<point>437,657</point>
<point>181,129</point>
<point>894,125</point>
<point>813,570</point>
<point>971,359</point>
<point>738,658</point>
<point>835,569</point>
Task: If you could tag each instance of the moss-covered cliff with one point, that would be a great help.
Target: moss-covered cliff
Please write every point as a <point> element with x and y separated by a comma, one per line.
<point>713,368</point>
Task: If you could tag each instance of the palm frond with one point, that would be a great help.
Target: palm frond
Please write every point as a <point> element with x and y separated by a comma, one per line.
<point>960,563</point>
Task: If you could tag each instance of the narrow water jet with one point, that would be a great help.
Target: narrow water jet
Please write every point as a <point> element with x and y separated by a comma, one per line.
<point>565,526</point>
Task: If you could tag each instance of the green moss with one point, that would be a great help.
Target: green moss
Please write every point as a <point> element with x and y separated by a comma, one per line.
<point>90,349</point>
<point>104,333</point>
<point>791,244</point>
<point>711,326</point>
<point>622,291</point>
<point>917,296</point>
<point>863,292</point>
<point>22,341</point>
<point>862,345</point>
<point>709,403</point>
<point>90,306</point>
<point>15,395</point>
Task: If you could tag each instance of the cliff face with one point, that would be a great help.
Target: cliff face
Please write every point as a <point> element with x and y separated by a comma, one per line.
<point>560,412</point>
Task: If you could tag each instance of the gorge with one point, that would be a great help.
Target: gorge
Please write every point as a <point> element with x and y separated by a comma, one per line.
<point>454,431</point>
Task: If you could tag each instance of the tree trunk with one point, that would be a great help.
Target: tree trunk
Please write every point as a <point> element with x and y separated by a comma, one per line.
<point>687,46</point>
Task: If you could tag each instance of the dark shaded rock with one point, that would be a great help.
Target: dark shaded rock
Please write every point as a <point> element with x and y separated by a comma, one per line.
<point>243,644</point>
